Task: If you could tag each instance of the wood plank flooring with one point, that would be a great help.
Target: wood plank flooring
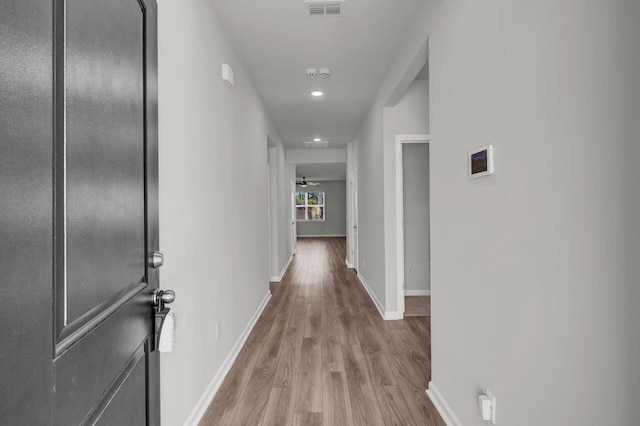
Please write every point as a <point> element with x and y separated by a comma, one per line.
<point>320,354</point>
<point>417,306</point>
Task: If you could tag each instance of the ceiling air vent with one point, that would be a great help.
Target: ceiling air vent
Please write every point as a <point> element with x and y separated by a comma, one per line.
<point>316,9</point>
<point>323,9</point>
<point>333,9</point>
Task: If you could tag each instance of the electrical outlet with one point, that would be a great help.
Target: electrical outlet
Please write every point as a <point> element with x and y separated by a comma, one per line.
<point>410,270</point>
<point>364,262</point>
<point>218,331</point>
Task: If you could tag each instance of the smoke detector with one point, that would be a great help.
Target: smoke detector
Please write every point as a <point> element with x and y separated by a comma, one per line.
<point>324,8</point>
<point>324,73</point>
<point>311,72</point>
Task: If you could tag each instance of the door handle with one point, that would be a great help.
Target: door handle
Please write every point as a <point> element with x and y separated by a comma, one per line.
<point>163,297</point>
<point>161,325</point>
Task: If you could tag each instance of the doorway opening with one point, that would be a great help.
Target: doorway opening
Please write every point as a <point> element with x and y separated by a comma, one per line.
<point>320,200</point>
<point>413,224</point>
<point>406,120</point>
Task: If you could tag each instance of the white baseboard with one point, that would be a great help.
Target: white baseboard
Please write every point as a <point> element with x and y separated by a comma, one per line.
<point>321,236</point>
<point>417,292</point>
<point>349,265</point>
<point>393,315</point>
<point>442,406</point>
<point>386,315</point>
<point>284,270</point>
<point>203,403</point>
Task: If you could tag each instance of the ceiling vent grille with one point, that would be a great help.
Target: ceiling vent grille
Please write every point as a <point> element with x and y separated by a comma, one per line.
<point>316,9</point>
<point>323,9</point>
<point>333,9</point>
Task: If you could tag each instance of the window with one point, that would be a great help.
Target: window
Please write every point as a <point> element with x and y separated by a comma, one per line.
<point>310,206</point>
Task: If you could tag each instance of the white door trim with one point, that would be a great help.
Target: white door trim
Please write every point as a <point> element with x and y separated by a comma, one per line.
<point>400,139</point>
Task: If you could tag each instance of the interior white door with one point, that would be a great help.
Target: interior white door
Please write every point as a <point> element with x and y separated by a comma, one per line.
<point>354,217</point>
<point>294,232</point>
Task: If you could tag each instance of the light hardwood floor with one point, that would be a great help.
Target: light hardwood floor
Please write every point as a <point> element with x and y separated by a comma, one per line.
<point>320,354</point>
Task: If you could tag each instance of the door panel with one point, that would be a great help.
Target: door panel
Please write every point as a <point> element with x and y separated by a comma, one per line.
<point>128,404</point>
<point>103,313</point>
<point>86,374</point>
<point>79,209</point>
<point>26,241</point>
<point>104,161</point>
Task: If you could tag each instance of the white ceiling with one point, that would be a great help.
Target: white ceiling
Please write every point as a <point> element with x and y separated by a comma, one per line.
<point>322,172</point>
<point>277,42</point>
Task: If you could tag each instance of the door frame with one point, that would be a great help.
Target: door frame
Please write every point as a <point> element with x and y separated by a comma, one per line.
<point>350,206</point>
<point>400,140</point>
<point>293,230</point>
<point>354,218</point>
<point>272,203</point>
<point>152,192</point>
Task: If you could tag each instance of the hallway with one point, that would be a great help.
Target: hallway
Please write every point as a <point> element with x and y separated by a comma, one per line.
<point>321,354</point>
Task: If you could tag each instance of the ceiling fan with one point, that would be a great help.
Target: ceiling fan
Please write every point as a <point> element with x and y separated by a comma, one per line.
<point>303,183</point>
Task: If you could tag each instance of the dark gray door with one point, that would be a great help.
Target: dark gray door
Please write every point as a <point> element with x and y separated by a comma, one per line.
<point>78,211</point>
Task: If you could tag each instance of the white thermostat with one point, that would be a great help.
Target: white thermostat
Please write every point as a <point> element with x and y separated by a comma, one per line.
<point>481,162</point>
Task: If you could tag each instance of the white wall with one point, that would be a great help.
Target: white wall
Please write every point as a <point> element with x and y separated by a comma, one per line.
<point>408,115</point>
<point>545,313</point>
<point>209,133</point>
<point>335,222</point>
<point>279,211</point>
<point>284,208</point>
<point>416,209</point>
<point>317,155</point>
<point>367,150</point>
<point>273,210</point>
<point>351,163</point>
<point>375,148</point>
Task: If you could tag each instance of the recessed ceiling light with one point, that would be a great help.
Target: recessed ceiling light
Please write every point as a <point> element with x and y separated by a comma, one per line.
<point>317,139</point>
<point>317,93</point>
